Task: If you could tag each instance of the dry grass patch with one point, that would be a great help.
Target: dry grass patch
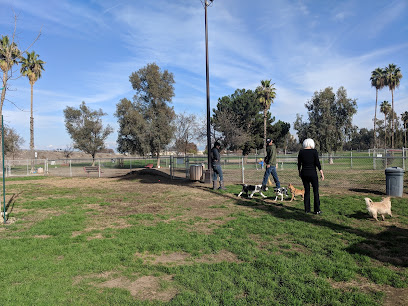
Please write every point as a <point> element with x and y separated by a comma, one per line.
<point>144,288</point>
<point>182,258</point>
<point>42,236</point>
<point>393,296</point>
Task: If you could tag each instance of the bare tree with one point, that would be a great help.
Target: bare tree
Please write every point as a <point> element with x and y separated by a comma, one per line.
<point>187,130</point>
<point>12,141</point>
<point>69,149</point>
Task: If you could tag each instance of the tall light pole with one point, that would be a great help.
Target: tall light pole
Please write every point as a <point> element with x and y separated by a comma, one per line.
<point>207,73</point>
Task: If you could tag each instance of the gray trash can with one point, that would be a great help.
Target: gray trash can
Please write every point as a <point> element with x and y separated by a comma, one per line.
<point>394,181</point>
<point>196,172</point>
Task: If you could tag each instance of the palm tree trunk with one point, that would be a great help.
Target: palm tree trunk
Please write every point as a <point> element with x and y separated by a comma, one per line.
<point>385,131</point>
<point>32,130</point>
<point>392,122</point>
<point>375,117</point>
<point>265,129</point>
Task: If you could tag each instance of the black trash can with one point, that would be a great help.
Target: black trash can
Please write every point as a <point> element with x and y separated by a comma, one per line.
<point>394,181</point>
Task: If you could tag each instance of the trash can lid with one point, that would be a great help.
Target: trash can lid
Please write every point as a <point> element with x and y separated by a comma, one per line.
<point>394,170</point>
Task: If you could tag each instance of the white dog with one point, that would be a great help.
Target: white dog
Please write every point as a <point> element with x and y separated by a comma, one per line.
<point>379,208</point>
<point>252,189</point>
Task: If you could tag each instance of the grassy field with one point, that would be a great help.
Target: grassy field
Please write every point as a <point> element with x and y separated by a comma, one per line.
<point>143,239</point>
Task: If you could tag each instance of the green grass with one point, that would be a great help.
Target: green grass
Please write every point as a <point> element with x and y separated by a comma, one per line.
<point>283,256</point>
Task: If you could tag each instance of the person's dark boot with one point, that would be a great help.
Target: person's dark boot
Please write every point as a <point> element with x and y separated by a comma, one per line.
<point>263,188</point>
<point>214,185</point>
<point>222,186</point>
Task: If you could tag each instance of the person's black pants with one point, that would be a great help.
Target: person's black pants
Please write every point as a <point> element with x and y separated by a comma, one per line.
<point>314,180</point>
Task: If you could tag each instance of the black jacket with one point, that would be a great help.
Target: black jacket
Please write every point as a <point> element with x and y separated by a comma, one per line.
<point>308,161</point>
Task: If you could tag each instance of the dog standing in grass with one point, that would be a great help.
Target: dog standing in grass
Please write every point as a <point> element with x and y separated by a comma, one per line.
<point>379,208</point>
<point>294,191</point>
<point>251,190</point>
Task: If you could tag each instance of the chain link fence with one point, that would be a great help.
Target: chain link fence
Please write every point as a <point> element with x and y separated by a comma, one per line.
<point>102,167</point>
<point>356,171</point>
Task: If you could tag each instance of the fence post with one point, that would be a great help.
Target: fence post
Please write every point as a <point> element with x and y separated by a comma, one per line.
<point>99,168</point>
<point>351,159</point>
<point>70,168</point>
<point>27,166</point>
<point>243,175</point>
<point>172,167</point>
<point>374,159</point>
<point>386,161</point>
<point>187,165</point>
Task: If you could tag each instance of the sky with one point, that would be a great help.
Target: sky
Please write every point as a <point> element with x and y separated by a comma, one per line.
<point>91,47</point>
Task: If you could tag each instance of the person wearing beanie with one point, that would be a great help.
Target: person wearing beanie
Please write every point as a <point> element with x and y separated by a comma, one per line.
<point>216,166</point>
<point>270,164</point>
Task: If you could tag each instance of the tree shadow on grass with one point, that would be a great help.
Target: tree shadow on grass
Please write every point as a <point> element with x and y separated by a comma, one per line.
<point>366,190</point>
<point>389,246</point>
<point>360,215</point>
<point>10,204</point>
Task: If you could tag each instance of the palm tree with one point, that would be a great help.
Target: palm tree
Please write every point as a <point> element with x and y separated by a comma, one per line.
<point>393,76</point>
<point>265,95</point>
<point>385,108</point>
<point>404,118</point>
<point>9,56</point>
<point>377,81</point>
<point>31,67</point>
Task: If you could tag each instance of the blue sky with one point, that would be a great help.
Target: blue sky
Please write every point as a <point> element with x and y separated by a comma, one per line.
<point>92,46</point>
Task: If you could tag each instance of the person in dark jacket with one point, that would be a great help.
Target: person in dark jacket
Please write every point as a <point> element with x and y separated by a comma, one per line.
<point>270,164</point>
<point>308,161</point>
<point>216,166</point>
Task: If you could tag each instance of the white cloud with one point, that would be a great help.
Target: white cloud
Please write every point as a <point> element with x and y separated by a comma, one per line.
<point>302,46</point>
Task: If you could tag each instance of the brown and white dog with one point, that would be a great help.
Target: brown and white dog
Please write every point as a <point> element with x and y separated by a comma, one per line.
<point>294,191</point>
<point>379,208</point>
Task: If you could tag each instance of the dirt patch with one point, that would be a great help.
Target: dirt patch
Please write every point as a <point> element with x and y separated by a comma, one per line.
<point>393,296</point>
<point>42,236</point>
<point>182,258</point>
<point>96,236</point>
<point>144,288</point>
